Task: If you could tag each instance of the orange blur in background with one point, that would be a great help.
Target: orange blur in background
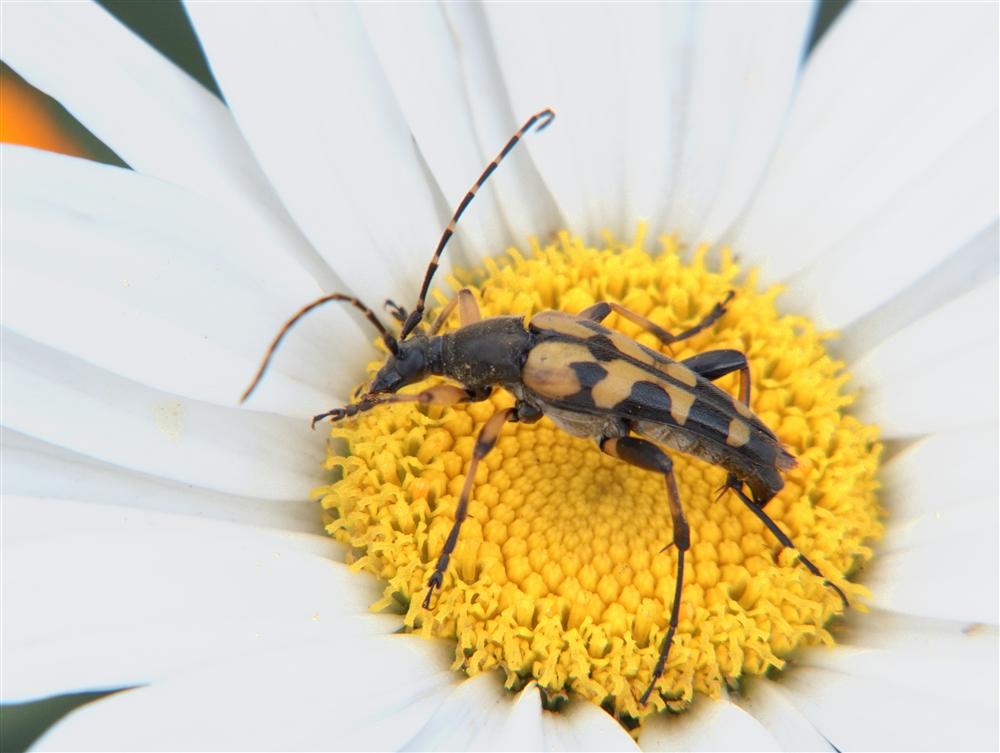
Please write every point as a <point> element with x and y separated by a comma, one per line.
<point>29,117</point>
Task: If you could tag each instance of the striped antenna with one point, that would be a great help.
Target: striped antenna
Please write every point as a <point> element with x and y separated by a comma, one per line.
<point>542,119</point>
<point>387,338</point>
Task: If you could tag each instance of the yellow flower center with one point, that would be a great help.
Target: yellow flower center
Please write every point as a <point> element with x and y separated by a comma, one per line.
<point>560,575</point>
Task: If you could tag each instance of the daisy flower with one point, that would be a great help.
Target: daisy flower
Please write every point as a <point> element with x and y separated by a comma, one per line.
<point>160,541</point>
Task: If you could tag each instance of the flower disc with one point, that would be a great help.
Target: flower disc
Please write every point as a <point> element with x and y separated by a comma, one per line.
<point>560,575</point>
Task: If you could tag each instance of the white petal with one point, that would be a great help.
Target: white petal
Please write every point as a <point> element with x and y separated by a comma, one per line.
<point>940,471</point>
<point>480,715</point>
<point>764,700</point>
<point>563,58</point>
<point>902,380</point>
<point>64,401</point>
<point>975,264</point>
<point>933,687</point>
<point>583,726</point>
<point>706,725</point>
<point>38,469</point>
<point>884,168</point>
<point>156,594</point>
<point>153,115</point>
<point>524,198</point>
<point>342,694</point>
<point>323,122</point>
<point>939,554</point>
<point>693,118</point>
<point>942,565</point>
<point>926,222</point>
<point>743,72</point>
<point>432,98</point>
<point>164,288</point>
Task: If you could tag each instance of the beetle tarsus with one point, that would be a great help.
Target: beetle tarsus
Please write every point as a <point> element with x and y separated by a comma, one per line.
<point>433,582</point>
<point>396,311</point>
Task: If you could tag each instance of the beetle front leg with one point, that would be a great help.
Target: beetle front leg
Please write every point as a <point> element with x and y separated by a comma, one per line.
<point>599,311</point>
<point>439,394</point>
<point>644,454</point>
<point>485,442</point>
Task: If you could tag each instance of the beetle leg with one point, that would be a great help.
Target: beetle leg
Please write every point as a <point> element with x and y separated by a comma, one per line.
<point>487,438</point>
<point>439,394</point>
<point>599,311</point>
<point>783,539</point>
<point>645,454</point>
<point>526,413</point>
<point>715,364</point>
<point>468,310</point>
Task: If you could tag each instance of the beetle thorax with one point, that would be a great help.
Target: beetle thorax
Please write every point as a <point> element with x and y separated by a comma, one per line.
<point>486,353</point>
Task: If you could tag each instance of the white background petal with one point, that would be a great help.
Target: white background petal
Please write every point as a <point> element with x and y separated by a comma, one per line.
<point>154,283</point>
<point>902,380</point>
<point>939,555</point>
<point>885,167</point>
<point>930,686</point>
<point>583,726</point>
<point>576,60</point>
<point>706,725</point>
<point>69,403</point>
<point>743,72</point>
<point>324,123</point>
<point>34,468</point>
<point>975,264</point>
<point>347,693</point>
<point>525,200</point>
<point>137,597</point>
<point>764,700</point>
<point>432,99</point>
<point>170,128</point>
<point>480,715</point>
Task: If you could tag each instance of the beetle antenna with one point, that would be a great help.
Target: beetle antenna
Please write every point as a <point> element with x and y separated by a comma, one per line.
<point>542,118</point>
<point>390,341</point>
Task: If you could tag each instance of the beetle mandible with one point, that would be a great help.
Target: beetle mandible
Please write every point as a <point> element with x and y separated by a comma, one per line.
<point>591,381</point>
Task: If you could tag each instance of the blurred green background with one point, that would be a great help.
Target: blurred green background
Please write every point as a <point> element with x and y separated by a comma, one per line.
<point>164,24</point>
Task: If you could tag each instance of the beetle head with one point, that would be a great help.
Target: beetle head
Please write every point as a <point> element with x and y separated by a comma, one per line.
<point>407,365</point>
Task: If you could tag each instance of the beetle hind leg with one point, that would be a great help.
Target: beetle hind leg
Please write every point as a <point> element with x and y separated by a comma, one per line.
<point>786,543</point>
<point>644,454</point>
<point>715,364</point>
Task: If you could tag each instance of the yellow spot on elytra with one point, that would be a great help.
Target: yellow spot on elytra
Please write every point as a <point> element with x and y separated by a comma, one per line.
<point>617,385</point>
<point>558,576</point>
<point>739,433</point>
<point>563,323</point>
<point>547,370</point>
<point>682,374</point>
<point>680,402</point>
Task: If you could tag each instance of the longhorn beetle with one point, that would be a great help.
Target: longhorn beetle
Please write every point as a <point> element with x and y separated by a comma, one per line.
<point>590,381</point>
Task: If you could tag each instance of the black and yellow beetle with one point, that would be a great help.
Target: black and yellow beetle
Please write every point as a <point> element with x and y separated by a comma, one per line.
<point>590,381</point>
